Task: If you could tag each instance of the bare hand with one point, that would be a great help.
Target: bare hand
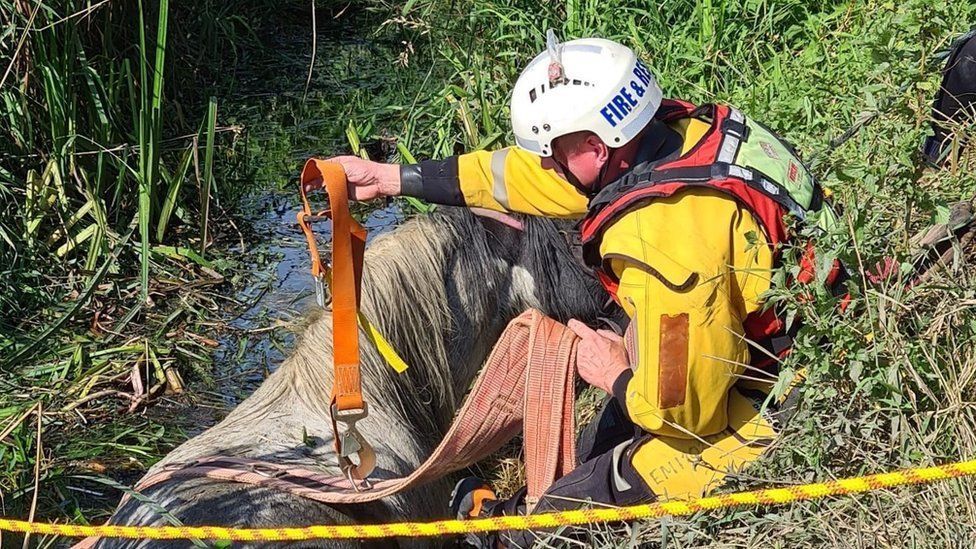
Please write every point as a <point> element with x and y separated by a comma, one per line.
<point>368,179</point>
<point>600,356</point>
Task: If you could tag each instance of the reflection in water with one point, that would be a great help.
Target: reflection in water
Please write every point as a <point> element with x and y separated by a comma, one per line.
<point>262,330</point>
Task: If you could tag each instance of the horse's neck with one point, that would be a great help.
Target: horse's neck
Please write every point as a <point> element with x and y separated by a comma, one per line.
<point>438,294</point>
<point>434,292</point>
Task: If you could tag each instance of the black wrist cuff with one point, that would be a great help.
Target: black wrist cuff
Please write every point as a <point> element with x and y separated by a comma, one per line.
<point>620,387</point>
<point>411,180</point>
<point>440,182</point>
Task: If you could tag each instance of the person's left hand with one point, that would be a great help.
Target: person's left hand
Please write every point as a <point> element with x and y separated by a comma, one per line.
<point>600,356</point>
<point>368,179</point>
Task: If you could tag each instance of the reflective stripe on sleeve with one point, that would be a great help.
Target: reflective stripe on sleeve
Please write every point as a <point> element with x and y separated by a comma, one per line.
<point>499,191</point>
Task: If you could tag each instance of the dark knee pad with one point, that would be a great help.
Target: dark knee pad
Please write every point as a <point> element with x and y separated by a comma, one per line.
<point>608,478</point>
<point>610,427</point>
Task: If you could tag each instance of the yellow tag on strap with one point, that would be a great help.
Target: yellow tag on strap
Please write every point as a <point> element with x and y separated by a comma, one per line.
<point>386,350</point>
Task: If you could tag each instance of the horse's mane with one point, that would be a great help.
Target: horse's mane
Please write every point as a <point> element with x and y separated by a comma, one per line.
<point>411,279</point>
<point>414,276</point>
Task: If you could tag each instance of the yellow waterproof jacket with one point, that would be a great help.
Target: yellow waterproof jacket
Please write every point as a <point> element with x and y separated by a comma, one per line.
<point>686,347</point>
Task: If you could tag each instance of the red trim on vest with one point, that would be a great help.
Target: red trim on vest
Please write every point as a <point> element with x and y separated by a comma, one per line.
<point>706,150</point>
<point>609,282</point>
<point>767,211</point>
<point>673,109</point>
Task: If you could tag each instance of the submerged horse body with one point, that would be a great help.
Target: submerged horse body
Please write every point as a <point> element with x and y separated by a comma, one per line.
<point>441,288</point>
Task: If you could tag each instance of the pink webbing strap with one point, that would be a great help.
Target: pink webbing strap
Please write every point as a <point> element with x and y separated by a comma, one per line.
<point>550,430</point>
<point>528,378</point>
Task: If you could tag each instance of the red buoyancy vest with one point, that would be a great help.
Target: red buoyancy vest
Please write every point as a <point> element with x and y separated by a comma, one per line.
<point>740,158</point>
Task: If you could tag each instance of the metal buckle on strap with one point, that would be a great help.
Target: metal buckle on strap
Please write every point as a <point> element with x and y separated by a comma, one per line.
<point>357,484</point>
<point>351,442</point>
<point>320,290</point>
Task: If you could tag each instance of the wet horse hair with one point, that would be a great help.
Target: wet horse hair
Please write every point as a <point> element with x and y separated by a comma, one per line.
<point>441,288</point>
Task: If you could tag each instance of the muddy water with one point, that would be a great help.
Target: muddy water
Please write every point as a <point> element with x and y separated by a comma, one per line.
<point>279,292</point>
<point>285,120</point>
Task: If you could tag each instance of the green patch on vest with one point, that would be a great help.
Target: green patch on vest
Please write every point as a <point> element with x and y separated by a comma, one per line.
<point>764,152</point>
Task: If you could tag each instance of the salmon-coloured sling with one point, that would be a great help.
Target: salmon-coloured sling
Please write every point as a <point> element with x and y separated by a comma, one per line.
<point>528,380</point>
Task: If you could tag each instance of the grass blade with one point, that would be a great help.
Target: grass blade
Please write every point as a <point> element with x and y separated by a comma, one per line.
<point>172,193</point>
<point>145,178</point>
<point>207,173</point>
<point>150,130</point>
<point>140,497</point>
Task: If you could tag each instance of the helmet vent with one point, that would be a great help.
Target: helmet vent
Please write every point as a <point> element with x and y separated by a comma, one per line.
<point>588,84</point>
<point>534,92</point>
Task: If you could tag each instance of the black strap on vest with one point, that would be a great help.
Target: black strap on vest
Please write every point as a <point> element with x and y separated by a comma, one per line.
<point>700,176</point>
<point>645,173</point>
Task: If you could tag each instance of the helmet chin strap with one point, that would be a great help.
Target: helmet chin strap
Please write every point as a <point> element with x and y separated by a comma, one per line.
<point>601,180</point>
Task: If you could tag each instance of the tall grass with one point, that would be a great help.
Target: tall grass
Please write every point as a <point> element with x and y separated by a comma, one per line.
<point>61,150</point>
<point>207,182</point>
<point>150,129</point>
<point>98,108</point>
<point>101,115</point>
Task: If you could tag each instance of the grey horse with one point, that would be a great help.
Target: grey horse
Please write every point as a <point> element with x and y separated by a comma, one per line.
<point>441,288</point>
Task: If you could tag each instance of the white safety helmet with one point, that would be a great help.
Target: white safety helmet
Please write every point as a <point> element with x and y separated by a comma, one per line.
<point>589,84</point>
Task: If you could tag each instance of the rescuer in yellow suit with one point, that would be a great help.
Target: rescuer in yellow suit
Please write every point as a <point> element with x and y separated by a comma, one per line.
<point>689,267</point>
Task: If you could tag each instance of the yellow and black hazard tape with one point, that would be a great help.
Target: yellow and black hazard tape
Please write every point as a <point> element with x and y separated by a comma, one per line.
<point>771,496</point>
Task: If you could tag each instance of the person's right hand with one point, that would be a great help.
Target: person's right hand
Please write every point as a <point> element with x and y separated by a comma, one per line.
<point>368,179</point>
<point>600,356</point>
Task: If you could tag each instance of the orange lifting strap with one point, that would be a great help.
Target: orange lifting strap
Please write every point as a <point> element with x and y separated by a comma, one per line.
<point>348,244</point>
